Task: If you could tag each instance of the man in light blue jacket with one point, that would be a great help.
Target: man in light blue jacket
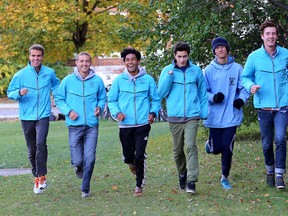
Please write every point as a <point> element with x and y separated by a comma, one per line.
<point>81,98</point>
<point>134,101</point>
<point>183,86</point>
<point>226,97</point>
<point>266,76</point>
<point>32,87</point>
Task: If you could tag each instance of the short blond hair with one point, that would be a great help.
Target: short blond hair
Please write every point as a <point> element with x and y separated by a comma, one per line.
<point>37,47</point>
<point>83,53</point>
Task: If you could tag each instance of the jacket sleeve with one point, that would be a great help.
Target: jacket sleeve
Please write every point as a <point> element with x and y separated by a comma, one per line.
<point>210,95</point>
<point>101,95</point>
<point>14,88</point>
<point>165,83</point>
<point>55,82</point>
<point>60,98</point>
<point>202,95</point>
<point>247,77</point>
<point>243,93</point>
<point>155,99</point>
<point>113,96</point>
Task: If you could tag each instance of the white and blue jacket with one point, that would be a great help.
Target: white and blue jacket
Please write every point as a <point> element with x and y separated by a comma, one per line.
<point>185,93</point>
<point>224,78</point>
<point>36,104</point>
<point>135,97</point>
<point>271,73</point>
<point>82,96</point>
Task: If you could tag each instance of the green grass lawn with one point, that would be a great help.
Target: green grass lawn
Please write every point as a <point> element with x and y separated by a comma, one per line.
<point>112,184</point>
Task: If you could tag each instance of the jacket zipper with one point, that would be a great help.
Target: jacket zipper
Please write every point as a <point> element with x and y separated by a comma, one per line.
<point>184,94</point>
<point>83,98</point>
<point>275,92</point>
<point>37,95</point>
<point>135,114</point>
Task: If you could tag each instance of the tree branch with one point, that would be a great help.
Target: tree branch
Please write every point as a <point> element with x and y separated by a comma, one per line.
<point>279,4</point>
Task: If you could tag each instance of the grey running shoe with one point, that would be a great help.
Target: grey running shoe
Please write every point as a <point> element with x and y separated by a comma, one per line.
<point>280,184</point>
<point>270,180</point>
<point>132,168</point>
<point>182,181</point>
<point>138,192</point>
<point>207,147</point>
<point>85,194</point>
<point>191,187</point>
<point>79,172</point>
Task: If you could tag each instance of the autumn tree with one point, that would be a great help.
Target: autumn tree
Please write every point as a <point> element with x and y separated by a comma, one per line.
<point>63,27</point>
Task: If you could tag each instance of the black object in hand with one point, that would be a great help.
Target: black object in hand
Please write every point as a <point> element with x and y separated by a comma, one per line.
<point>238,103</point>
<point>218,98</point>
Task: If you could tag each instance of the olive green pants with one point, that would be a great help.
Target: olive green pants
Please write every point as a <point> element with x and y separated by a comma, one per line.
<point>184,140</point>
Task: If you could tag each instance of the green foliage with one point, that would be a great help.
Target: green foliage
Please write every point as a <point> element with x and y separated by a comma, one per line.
<point>112,184</point>
<point>62,70</point>
<point>6,72</point>
<point>198,22</point>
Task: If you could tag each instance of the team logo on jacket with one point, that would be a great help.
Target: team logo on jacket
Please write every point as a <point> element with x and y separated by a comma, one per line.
<point>231,81</point>
<point>92,84</point>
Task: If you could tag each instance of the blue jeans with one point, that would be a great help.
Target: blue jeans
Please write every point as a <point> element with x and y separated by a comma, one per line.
<point>83,142</point>
<point>273,125</point>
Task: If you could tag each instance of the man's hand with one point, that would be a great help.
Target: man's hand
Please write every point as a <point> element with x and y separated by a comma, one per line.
<point>73,115</point>
<point>23,91</point>
<point>121,116</point>
<point>151,118</point>
<point>97,111</point>
<point>254,88</point>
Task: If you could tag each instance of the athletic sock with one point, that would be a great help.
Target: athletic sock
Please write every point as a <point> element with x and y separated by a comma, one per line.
<point>223,177</point>
<point>270,172</point>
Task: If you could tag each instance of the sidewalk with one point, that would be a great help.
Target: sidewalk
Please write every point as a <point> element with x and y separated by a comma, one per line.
<point>8,111</point>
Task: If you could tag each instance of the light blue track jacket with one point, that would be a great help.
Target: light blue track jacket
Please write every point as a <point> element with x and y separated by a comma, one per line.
<point>226,79</point>
<point>271,74</point>
<point>135,97</point>
<point>36,104</point>
<point>82,96</point>
<point>185,92</point>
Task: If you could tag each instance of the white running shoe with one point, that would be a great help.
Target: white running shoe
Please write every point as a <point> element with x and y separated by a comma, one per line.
<point>37,189</point>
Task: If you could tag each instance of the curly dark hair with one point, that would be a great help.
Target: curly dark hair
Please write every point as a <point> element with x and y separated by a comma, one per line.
<point>128,50</point>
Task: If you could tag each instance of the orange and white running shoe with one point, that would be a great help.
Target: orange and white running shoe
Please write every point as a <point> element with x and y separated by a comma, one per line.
<point>43,182</point>
<point>36,188</point>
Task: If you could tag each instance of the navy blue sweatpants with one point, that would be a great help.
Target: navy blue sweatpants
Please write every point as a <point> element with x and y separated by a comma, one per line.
<point>221,141</point>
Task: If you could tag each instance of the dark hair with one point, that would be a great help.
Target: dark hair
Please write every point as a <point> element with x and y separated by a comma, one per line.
<point>269,23</point>
<point>127,51</point>
<point>181,46</point>
<point>37,47</point>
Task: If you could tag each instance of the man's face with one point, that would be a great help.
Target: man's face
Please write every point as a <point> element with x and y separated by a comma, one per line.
<point>83,63</point>
<point>35,57</point>
<point>221,52</point>
<point>131,63</point>
<point>269,37</point>
<point>181,58</point>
